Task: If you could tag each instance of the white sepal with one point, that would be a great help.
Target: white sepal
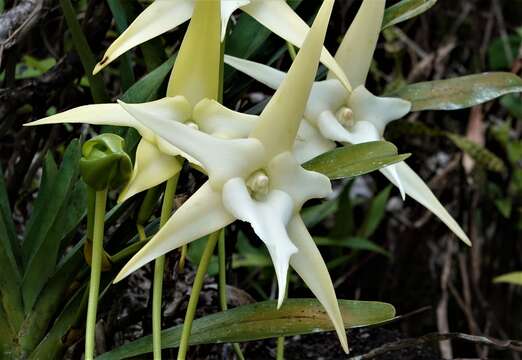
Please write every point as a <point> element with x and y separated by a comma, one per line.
<point>310,143</point>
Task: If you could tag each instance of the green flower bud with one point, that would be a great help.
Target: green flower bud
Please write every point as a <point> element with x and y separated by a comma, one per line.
<point>104,163</point>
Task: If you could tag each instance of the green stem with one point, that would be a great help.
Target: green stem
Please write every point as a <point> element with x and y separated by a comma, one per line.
<point>280,352</point>
<point>291,50</point>
<point>159,267</point>
<point>96,263</point>
<point>87,58</point>
<point>194,296</point>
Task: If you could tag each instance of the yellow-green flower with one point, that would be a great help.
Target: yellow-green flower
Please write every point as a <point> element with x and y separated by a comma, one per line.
<point>257,180</point>
<point>335,114</point>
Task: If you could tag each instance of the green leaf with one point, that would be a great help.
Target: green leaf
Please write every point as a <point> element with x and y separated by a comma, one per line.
<point>8,237</point>
<point>43,238</point>
<point>497,57</point>
<point>313,215</point>
<point>375,213</point>
<point>354,160</point>
<point>405,10</point>
<point>480,154</point>
<point>356,243</point>
<point>514,278</point>
<point>262,321</point>
<point>7,337</point>
<point>461,92</point>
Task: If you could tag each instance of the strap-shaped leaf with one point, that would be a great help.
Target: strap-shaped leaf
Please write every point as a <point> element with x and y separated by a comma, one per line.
<point>461,92</point>
<point>261,321</point>
<point>405,10</point>
<point>511,278</point>
<point>46,229</point>
<point>355,160</point>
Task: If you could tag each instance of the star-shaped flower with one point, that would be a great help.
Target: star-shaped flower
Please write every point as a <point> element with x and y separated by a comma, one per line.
<point>257,180</point>
<point>164,15</point>
<point>195,77</point>
<point>336,114</point>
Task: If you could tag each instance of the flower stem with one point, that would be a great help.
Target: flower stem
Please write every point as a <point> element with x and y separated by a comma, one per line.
<point>291,50</point>
<point>194,296</point>
<point>96,264</point>
<point>159,267</point>
<point>280,352</point>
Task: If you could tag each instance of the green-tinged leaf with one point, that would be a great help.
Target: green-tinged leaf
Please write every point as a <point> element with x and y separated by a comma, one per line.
<point>147,87</point>
<point>355,160</point>
<point>99,95</point>
<point>7,338</point>
<point>461,92</point>
<point>7,227</point>
<point>480,154</point>
<point>498,58</point>
<point>195,251</point>
<point>261,321</point>
<point>511,278</point>
<point>251,260</point>
<point>375,213</point>
<point>405,10</point>
<point>313,215</point>
<point>344,217</point>
<point>43,239</point>
<point>356,243</point>
<point>513,103</point>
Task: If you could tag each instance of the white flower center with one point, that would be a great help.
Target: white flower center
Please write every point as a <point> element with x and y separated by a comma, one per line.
<point>345,117</point>
<point>192,125</point>
<point>258,184</point>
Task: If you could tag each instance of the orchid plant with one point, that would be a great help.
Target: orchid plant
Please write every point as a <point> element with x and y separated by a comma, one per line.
<point>335,113</point>
<point>255,163</point>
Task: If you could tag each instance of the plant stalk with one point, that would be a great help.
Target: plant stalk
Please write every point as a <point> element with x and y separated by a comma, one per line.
<point>96,264</point>
<point>159,268</point>
<point>194,296</point>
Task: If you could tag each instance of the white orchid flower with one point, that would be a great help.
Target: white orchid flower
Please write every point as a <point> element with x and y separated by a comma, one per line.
<point>194,77</point>
<point>334,114</point>
<point>257,180</point>
<point>164,15</point>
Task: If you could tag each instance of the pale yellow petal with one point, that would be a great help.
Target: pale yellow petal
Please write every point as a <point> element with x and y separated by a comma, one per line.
<point>151,168</point>
<point>265,74</point>
<point>355,53</point>
<point>310,266</point>
<point>159,17</point>
<point>196,71</point>
<point>227,8</point>
<point>282,20</point>
<point>415,187</point>
<point>279,121</point>
<point>202,214</point>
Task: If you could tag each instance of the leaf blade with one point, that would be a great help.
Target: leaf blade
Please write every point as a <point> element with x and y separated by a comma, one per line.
<point>405,10</point>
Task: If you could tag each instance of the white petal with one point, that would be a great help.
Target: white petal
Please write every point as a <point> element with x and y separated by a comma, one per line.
<point>218,120</point>
<point>202,214</point>
<point>327,95</point>
<point>356,50</point>
<point>415,187</point>
<point>151,168</point>
<point>223,159</point>
<point>269,219</point>
<point>360,132</point>
<point>287,175</point>
<point>195,74</point>
<point>391,172</point>
<point>377,110</point>
<point>310,266</point>
<point>98,114</point>
<point>310,143</point>
<point>265,74</point>
<point>157,18</point>
<point>227,8</point>
<point>279,121</point>
<point>281,19</point>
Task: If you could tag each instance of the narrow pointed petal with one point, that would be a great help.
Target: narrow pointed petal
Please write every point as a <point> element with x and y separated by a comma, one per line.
<point>282,20</point>
<point>310,266</point>
<point>279,122</point>
<point>356,50</point>
<point>196,71</point>
<point>202,214</point>
<point>265,74</point>
<point>151,168</point>
<point>218,156</point>
<point>310,143</point>
<point>360,132</point>
<point>227,8</point>
<point>98,114</point>
<point>287,175</point>
<point>415,187</point>
<point>269,219</point>
<point>218,120</point>
<point>391,171</point>
<point>325,95</point>
<point>159,17</point>
<point>377,110</point>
